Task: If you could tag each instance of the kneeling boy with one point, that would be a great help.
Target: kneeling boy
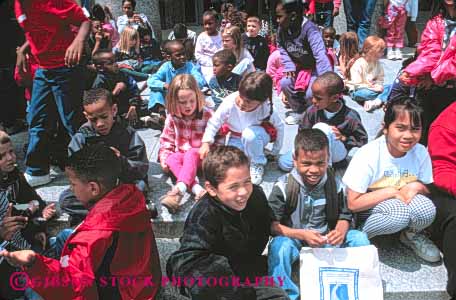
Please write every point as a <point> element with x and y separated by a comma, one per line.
<point>309,209</point>
<point>101,247</point>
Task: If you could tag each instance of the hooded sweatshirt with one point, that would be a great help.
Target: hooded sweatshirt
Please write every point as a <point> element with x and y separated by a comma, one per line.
<point>114,241</point>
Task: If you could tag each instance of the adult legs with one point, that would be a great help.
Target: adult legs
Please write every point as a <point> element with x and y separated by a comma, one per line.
<point>367,9</point>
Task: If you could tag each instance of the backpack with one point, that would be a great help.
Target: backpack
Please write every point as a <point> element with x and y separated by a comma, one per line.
<point>331,195</point>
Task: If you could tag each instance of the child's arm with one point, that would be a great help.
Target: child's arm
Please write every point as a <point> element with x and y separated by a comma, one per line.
<point>196,72</point>
<point>410,190</point>
<point>167,142</point>
<point>75,50</point>
<point>279,126</point>
<point>288,65</point>
<point>157,82</point>
<point>364,201</point>
<point>21,60</point>
<point>214,124</point>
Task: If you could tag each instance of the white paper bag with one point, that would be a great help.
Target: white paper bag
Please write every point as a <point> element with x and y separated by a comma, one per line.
<point>340,274</point>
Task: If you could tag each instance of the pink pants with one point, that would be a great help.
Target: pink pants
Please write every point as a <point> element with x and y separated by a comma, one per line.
<point>395,33</point>
<point>184,166</point>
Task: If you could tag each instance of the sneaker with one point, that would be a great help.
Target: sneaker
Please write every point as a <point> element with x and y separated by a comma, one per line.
<point>371,105</point>
<point>398,54</point>
<point>256,173</point>
<point>294,118</point>
<point>391,54</point>
<point>37,180</point>
<point>422,246</point>
<point>172,200</point>
<point>154,121</point>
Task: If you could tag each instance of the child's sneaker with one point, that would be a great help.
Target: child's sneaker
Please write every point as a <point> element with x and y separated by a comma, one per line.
<point>293,118</point>
<point>398,54</point>
<point>371,105</point>
<point>172,200</point>
<point>256,173</point>
<point>391,54</point>
<point>421,245</point>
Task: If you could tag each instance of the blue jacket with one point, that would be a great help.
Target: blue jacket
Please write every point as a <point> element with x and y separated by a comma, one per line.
<point>167,72</point>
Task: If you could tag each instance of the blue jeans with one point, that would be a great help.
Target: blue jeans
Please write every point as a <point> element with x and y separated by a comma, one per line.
<point>359,14</point>
<point>284,252</point>
<point>365,94</point>
<point>57,93</point>
<point>324,14</point>
<point>252,142</point>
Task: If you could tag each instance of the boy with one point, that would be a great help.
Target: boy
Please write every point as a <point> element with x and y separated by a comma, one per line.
<point>187,37</point>
<point>308,208</point>
<point>225,232</point>
<point>224,81</point>
<point>255,43</point>
<point>104,128</point>
<point>122,86</point>
<point>17,230</point>
<point>101,247</point>
<point>341,124</point>
<point>178,64</point>
<point>49,29</point>
<point>331,44</point>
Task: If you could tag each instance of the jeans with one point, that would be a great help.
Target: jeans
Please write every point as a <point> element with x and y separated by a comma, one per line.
<point>252,142</point>
<point>284,252</point>
<point>359,14</point>
<point>365,94</point>
<point>57,93</point>
<point>298,100</point>
<point>324,14</point>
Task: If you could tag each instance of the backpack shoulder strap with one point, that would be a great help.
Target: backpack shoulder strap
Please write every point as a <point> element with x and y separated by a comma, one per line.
<point>332,199</point>
<point>292,195</point>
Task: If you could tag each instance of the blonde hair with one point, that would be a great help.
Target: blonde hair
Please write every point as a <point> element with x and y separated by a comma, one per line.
<point>128,34</point>
<point>372,42</point>
<point>183,82</point>
<point>235,33</point>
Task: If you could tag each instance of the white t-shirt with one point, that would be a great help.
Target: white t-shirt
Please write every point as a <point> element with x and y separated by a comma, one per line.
<point>374,168</point>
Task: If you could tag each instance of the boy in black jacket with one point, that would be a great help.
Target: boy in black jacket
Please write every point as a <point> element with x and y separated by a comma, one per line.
<point>225,234</point>
<point>255,43</point>
<point>309,209</point>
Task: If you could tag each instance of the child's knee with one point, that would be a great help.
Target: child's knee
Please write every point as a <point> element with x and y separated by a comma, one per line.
<point>282,246</point>
<point>285,162</point>
<point>249,135</point>
<point>356,238</point>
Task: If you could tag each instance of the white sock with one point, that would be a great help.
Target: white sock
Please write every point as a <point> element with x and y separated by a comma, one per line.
<point>181,187</point>
<point>196,189</point>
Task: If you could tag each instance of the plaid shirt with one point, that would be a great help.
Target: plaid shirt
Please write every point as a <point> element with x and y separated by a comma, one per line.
<point>181,135</point>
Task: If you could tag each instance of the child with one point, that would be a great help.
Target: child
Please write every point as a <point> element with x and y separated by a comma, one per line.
<point>394,21</point>
<point>225,233</point>
<point>99,14</point>
<point>348,52</point>
<point>329,37</point>
<point>51,38</point>
<point>303,56</point>
<point>224,81</point>
<point>366,75</point>
<point>149,49</point>
<point>250,122</point>
<point>232,40</point>
<point>99,39</point>
<point>132,18</point>
<point>209,41</point>
<point>187,37</point>
<point>102,127</point>
<point>101,247</point>
<point>255,43</point>
<point>386,181</point>
<point>159,82</point>
<point>181,138</point>
<point>329,113</point>
<point>314,215</point>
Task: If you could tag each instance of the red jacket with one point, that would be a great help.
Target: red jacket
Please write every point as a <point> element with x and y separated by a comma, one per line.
<point>122,214</point>
<point>442,148</point>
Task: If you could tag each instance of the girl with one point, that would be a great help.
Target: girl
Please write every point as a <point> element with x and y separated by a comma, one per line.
<point>208,43</point>
<point>348,51</point>
<point>434,71</point>
<point>131,18</point>
<point>181,138</point>
<point>386,181</point>
<point>99,13</point>
<point>232,40</point>
<point>303,56</point>
<point>365,78</point>
<point>250,122</point>
<point>394,21</point>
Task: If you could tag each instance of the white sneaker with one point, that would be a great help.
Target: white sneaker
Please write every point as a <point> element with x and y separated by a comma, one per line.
<point>37,180</point>
<point>422,246</point>
<point>294,118</point>
<point>256,173</point>
<point>391,54</point>
<point>398,54</point>
<point>371,105</point>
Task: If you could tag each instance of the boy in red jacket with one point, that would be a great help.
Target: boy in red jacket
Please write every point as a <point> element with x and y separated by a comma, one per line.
<point>112,254</point>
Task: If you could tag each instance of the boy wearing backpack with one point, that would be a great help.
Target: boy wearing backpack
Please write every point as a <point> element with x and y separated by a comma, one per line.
<point>308,208</point>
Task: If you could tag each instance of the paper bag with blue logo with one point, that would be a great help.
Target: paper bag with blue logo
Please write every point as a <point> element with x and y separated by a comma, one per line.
<point>340,274</point>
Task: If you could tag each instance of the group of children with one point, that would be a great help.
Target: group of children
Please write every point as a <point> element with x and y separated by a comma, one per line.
<point>385,189</point>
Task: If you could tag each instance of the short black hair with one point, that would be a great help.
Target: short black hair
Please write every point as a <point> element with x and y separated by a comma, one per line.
<point>310,139</point>
<point>219,160</point>
<point>143,31</point>
<point>96,163</point>
<point>331,82</point>
<point>211,13</point>
<point>133,3</point>
<point>180,31</point>
<point>98,13</point>
<point>93,95</point>
<point>172,44</point>
<point>97,55</point>
<point>330,29</point>
<point>226,57</point>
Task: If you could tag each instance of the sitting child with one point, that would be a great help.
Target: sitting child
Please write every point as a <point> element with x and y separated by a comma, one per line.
<point>104,128</point>
<point>348,51</point>
<point>232,40</point>
<point>329,113</point>
<point>224,82</point>
<point>386,181</point>
<point>331,44</point>
<point>149,50</point>
<point>248,119</point>
<point>187,37</point>
<point>308,208</point>
<point>255,43</point>
<point>178,64</point>
<point>181,138</point>
<point>225,232</point>
<point>101,247</point>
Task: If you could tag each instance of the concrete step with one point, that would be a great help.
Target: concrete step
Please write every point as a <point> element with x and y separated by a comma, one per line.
<point>404,275</point>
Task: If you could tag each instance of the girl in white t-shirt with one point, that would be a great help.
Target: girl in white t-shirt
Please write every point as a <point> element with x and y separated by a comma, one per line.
<point>386,181</point>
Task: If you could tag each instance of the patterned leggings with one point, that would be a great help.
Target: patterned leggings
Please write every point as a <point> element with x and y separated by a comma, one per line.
<point>393,215</point>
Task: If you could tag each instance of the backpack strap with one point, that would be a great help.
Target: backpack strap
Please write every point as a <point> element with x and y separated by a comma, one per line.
<point>292,196</point>
<point>332,199</point>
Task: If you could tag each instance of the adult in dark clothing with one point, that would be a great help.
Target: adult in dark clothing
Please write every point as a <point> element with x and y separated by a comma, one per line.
<point>359,14</point>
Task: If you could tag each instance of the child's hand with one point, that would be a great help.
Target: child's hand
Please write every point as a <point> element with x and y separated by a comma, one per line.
<point>116,151</point>
<point>19,258</point>
<point>132,115</point>
<point>338,134</point>
<point>74,53</point>
<point>21,62</point>
<point>312,238</point>
<point>49,211</point>
<point>120,86</point>
<point>98,36</point>
<point>337,236</point>
<point>10,225</point>
<point>410,190</point>
<point>284,99</point>
<point>204,150</point>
